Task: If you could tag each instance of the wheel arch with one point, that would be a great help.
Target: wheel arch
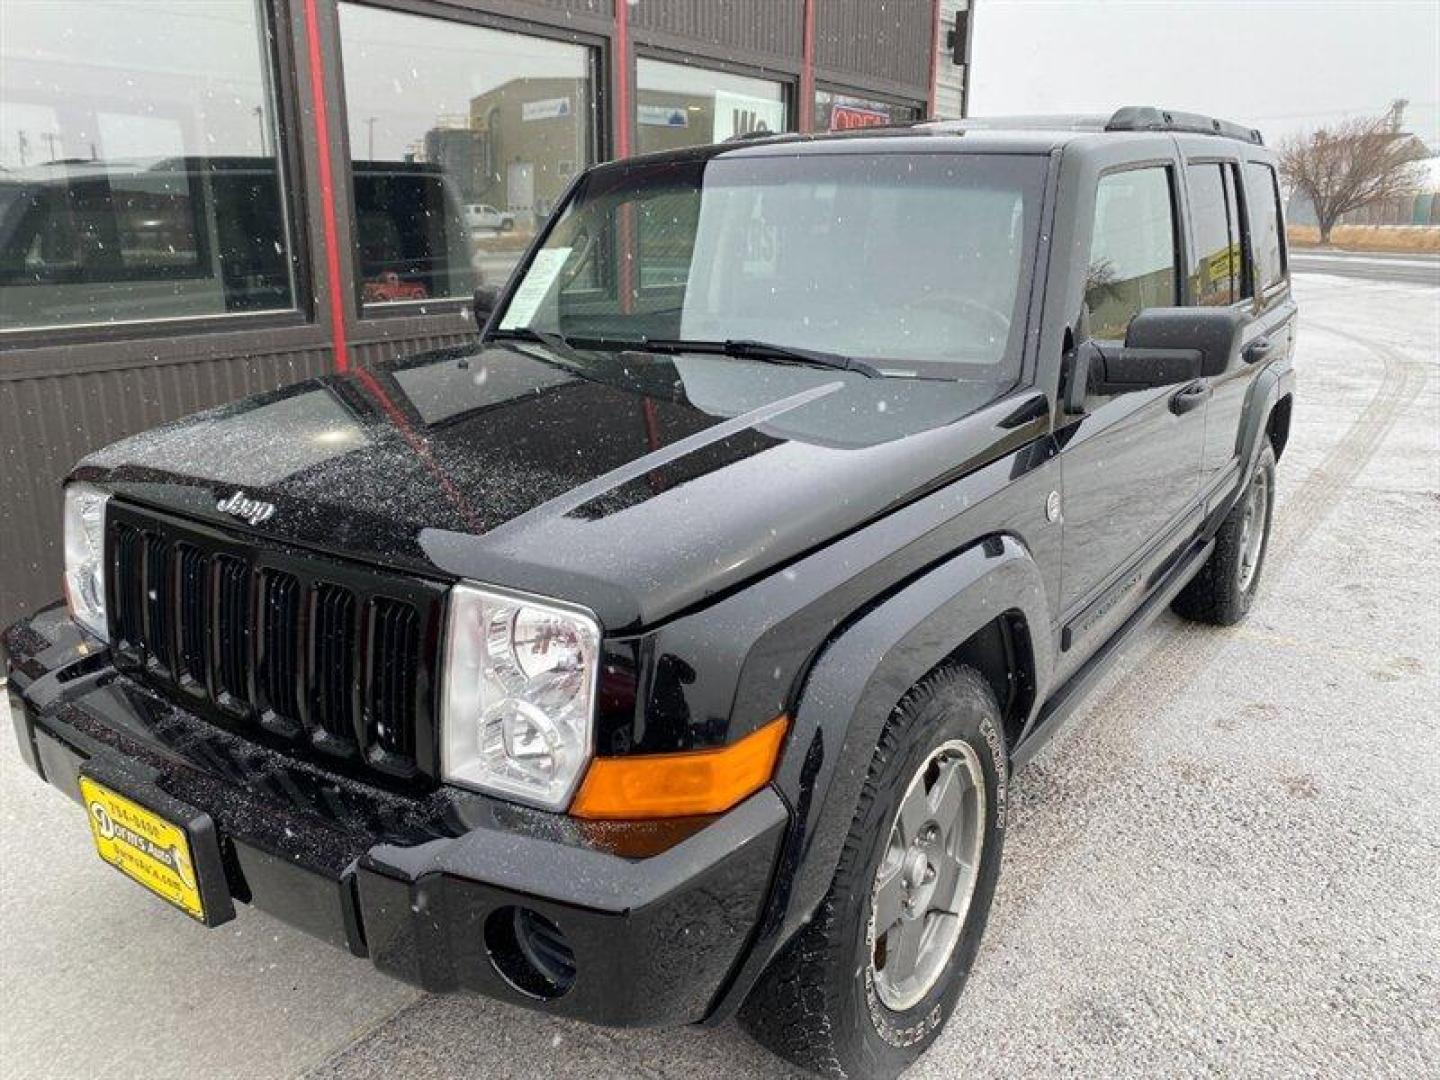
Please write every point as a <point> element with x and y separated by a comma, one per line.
<point>1277,427</point>
<point>984,607</point>
<point>1267,415</point>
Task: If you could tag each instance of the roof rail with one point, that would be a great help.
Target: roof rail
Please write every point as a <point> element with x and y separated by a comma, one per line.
<point>1151,118</point>
<point>758,133</point>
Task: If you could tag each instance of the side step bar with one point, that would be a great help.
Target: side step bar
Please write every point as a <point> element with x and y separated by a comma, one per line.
<point>1063,701</point>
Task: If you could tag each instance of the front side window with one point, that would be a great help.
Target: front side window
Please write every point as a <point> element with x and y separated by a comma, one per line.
<point>138,179</point>
<point>1263,202</point>
<point>1132,250</point>
<point>1216,276</point>
<point>462,140</point>
<point>678,105</point>
<point>915,262</point>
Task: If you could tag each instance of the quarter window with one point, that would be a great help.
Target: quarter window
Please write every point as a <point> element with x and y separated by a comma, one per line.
<point>138,180</point>
<point>462,140</point>
<point>1132,250</point>
<point>1216,276</point>
<point>1263,200</point>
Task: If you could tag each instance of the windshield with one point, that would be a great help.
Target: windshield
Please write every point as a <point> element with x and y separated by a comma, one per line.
<point>912,261</point>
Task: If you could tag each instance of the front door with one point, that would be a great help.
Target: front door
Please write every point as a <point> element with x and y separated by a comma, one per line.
<point>1132,462</point>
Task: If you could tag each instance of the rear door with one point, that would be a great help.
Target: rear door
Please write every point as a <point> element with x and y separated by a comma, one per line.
<point>1238,260</point>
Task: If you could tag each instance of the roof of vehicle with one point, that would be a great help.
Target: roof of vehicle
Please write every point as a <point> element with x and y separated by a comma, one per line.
<point>1035,134</point>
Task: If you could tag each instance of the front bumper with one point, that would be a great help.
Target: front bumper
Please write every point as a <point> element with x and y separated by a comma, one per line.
<point>657,915</point>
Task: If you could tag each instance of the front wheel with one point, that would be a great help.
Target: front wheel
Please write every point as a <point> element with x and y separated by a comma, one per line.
<point>1223,590</point>
<point>868,984</point>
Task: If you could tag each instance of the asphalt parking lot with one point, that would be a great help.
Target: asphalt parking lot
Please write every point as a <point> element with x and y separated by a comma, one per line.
<point>1229,863</point>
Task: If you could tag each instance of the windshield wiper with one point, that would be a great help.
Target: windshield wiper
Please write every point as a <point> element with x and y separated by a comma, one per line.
<point>740,348</point>
<point>767,352</point>
<point>563,342</point>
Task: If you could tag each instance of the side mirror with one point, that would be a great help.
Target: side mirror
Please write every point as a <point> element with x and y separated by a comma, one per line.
<point>484,304</point>
<point>1163,347</point>
<point>1212,332</point>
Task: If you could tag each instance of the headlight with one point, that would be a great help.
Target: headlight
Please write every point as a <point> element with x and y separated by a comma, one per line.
<point>519,694</point>
<point>85,556</point>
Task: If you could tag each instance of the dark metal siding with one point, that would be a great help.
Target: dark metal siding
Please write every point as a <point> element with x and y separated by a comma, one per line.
<point>741,30</point>
<point>883,44</point>
<point>49,422</point>
<point>603,8</point>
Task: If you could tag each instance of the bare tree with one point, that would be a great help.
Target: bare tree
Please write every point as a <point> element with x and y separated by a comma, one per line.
<point>1356,163</point>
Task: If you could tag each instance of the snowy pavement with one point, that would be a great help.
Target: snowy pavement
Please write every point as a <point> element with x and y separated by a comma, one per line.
<point>1228,863</point>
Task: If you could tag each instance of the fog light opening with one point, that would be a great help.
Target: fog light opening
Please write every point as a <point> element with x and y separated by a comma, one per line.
<point>530,952</point>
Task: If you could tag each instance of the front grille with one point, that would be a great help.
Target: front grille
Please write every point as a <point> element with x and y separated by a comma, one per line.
<point>326,657</point>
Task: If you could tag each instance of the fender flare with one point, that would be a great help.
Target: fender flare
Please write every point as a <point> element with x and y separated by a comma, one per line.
<point>1269,387</point>
<point>851,691</point>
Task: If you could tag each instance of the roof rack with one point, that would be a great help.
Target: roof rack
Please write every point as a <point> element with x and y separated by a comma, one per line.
<point>1129,118</point>
<point>1150,118</point>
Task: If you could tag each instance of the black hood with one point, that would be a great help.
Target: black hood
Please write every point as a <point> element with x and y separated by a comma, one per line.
<point>636,485</point>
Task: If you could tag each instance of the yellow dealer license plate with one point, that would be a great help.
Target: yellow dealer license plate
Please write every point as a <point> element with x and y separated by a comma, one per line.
<point>144,846</point>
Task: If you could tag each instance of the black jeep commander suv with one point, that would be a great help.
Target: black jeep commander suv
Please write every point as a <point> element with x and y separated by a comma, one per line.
<point>664,654</point>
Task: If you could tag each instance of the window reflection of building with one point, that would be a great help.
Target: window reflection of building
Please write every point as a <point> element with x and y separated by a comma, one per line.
<point>496,122</point>
<point>534,134</point>
<point>841,112</point>
<point>680,105</point>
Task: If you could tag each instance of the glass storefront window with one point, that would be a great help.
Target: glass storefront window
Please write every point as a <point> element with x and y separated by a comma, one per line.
<point>840,112</point>
<point>679,105</point>
<point>138,170</point>
<point>462,139</point>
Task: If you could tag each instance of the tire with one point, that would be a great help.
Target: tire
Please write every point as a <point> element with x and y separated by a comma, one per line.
<point>822,1002</point>
<point>1222,592</point>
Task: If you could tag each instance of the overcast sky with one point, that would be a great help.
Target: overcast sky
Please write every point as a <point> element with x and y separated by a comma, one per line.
<point>1279,65</point>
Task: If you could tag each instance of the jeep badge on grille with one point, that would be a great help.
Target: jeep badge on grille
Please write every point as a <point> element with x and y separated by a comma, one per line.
<point>252,511</point>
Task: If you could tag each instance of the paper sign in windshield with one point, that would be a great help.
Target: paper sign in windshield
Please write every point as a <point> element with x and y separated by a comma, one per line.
<point>536,286</point>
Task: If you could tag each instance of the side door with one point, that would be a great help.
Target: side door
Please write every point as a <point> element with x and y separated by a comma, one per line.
<point>1132,461</point>
<point>1238,245</point>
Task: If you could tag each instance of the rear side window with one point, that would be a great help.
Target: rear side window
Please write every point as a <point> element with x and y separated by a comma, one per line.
<point>1216,277</point>
<point>1132,250</point>
<point>1265,240</point>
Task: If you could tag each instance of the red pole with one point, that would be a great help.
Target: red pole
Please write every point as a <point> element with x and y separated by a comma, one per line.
<point>622,78</point>
<point>327,187</point>
<point>807,72</point>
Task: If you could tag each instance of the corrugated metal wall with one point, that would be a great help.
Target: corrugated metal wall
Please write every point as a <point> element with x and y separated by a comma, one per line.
<point>883,43</point>
<point>51,421</point>
<point>752,29</point>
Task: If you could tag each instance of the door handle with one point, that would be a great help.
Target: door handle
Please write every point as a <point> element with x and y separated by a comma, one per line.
<point>1257,350</point>
<point>1192,397</point>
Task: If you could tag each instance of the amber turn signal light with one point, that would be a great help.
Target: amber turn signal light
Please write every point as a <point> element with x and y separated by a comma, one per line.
<point>681,784</point>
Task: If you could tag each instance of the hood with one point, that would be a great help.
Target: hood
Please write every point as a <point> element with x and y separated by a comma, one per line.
<point>636,485</point>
